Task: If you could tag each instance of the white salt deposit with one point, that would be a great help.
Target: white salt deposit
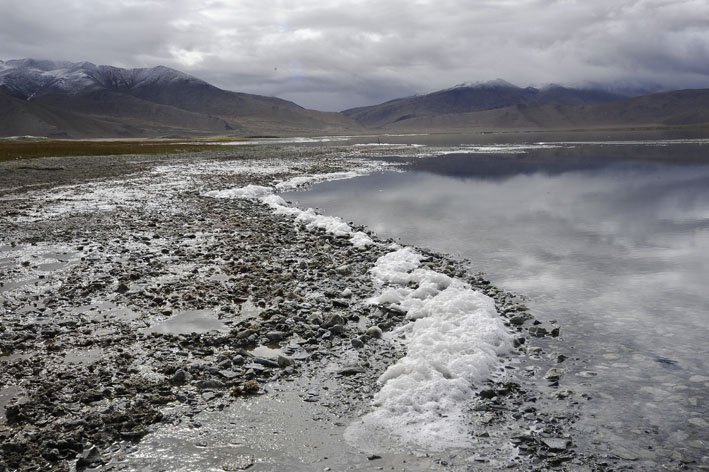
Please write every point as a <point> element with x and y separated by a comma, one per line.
<point>301,181</point>
<point>250,191</point>
<point>453,343</point>
<point>309,218</point>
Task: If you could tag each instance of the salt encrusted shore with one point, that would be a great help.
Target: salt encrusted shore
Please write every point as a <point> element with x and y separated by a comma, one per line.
<point>133,298</point>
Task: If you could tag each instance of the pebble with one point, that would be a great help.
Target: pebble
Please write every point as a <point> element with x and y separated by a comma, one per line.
<point>374,332</point>
<point>554,373</point>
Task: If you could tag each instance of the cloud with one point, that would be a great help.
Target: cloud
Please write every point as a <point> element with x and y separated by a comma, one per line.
<point>338,54</point>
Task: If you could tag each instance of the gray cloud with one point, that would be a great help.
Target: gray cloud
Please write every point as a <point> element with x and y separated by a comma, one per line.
<point>338,54</point>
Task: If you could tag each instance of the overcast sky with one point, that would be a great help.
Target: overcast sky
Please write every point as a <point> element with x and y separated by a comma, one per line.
<point>332,55</point>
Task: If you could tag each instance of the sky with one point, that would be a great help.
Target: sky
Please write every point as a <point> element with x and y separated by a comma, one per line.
<point>332,54</point>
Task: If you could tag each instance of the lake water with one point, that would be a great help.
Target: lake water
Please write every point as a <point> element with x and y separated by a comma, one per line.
<point>611,240</point>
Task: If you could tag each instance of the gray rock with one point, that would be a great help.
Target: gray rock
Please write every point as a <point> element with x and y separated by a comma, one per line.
<point>238,359</point>
<point>245,334</point>
<point>228,374</point>
<point>374,332</point>
<point>180,377</point>
<point>284,361</point>
<point>537,331</point>
<point>208,384</point>
<point>553,373</point>
<point>351,370</point>
<point>333,320</point>
<point>238,462</point>
<point>265,362</point>
<point>338,329</point>
<point>556,444</point>
<point>276,336</point>
<point>88,456</point>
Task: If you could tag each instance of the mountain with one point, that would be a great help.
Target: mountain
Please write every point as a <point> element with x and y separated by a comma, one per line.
<point>83,100</point>
<point>501,105</point>
<point>470,98</point>
<point>66,99</point>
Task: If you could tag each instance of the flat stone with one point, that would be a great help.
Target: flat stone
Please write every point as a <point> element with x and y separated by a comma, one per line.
<point>352,370</point>
<point>556,444</point>
<point>284,361</point>
<point>265,362</point>
<point>623,453</point>
<point>228,374</point>
<point>699,422</point>
<point>553,373</point>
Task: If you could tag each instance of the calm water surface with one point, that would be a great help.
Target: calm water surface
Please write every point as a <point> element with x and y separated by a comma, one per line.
<point>610,240</point>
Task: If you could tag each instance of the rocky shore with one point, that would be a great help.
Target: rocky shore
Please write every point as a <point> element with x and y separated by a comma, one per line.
<point>131,300</point>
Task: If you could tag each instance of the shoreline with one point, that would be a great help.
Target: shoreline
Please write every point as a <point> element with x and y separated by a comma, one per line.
<point>109,275</point>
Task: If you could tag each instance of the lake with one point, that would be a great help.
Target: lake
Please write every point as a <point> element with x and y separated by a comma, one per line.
<point>609,239</point>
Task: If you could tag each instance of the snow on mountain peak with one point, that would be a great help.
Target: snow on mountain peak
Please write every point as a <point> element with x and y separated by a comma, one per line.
<point>497,83</point>
<point>29,78</point>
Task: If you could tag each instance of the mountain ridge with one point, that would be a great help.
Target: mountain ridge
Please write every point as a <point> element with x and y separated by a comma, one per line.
<point>83,100</point>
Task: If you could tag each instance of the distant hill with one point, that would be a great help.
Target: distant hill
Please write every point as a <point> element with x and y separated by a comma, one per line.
<point>470,98</point>
<point>65,99</point>
<point>83,100</point>
<point>501,105</point>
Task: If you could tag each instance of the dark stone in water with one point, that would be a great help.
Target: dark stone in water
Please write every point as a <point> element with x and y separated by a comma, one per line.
<point>537,331</point>
<point>488,394</point>
<point>665,361</point>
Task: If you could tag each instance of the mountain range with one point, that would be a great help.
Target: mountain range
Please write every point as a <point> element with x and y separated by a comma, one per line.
<point>64,99</point>
<point>82,100</point>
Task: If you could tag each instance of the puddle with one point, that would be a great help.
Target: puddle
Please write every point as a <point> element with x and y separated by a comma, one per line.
<point>219,278</point>
<point>279,430</point>
<point>83,356</point>
<point>249,309</point>
<point>7,395</point>
<point>31,265</point>
<point>190,321</point>
<point>107,310</point>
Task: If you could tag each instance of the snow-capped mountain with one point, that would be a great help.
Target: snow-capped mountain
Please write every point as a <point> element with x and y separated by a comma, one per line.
<point>490,84</point>
<point>30,78</point>
<point>81,99</point>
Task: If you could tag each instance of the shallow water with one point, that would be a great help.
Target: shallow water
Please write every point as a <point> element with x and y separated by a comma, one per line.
<point>610,240</point>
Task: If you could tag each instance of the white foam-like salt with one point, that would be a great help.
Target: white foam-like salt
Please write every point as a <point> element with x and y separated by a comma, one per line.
<point>309,217</point>
<point>250,191</point>
<point>454,341</point>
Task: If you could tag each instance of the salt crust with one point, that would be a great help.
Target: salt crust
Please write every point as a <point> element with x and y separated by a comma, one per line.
<point>309,217</point>
<point>454,341</point>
